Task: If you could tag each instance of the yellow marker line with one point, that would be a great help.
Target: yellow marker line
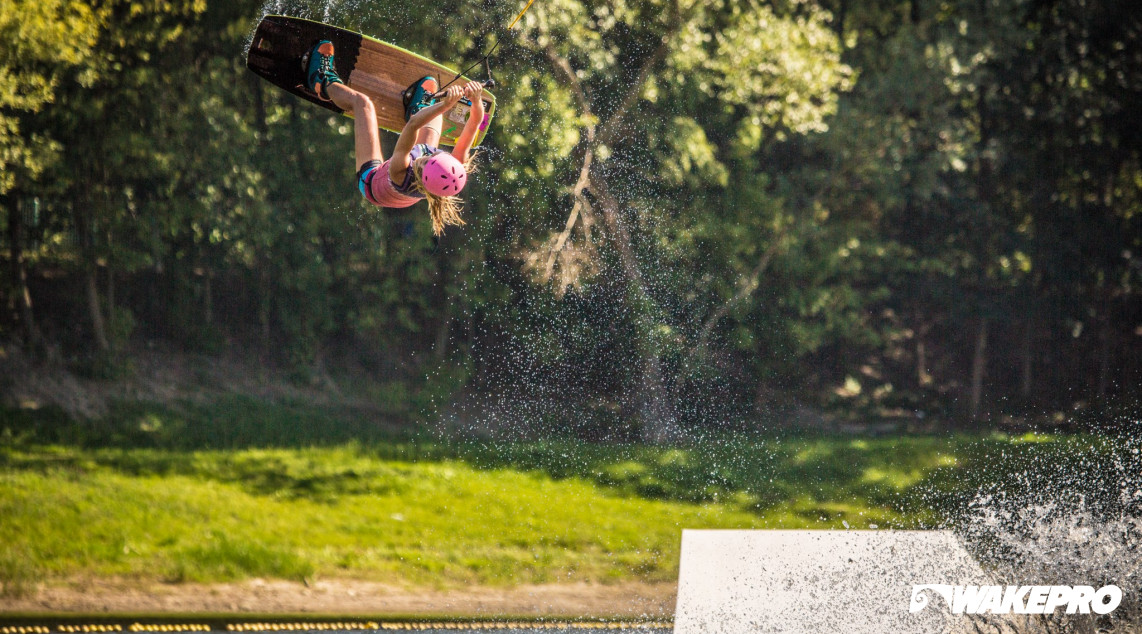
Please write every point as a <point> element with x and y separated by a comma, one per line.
<point>334,627</point>
<point>475,625</point>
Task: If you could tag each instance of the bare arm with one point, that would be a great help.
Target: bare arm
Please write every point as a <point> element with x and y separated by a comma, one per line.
<point>407,139</point>
<point>474,91</point>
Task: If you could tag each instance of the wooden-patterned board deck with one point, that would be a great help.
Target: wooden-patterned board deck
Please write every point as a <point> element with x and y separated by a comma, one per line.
<point>380,70</point>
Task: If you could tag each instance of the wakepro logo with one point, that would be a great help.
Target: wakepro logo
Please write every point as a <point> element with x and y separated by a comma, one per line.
<point>1019,599</point>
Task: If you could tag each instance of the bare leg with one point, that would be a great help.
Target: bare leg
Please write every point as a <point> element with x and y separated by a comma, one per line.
<point>430,133</point>
<point>366,136</point>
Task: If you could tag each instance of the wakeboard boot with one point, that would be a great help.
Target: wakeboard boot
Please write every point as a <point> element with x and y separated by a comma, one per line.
<point>419,96</point>
<point>320,70</point>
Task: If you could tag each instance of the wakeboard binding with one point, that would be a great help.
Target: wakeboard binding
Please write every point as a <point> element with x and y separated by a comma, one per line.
<point>320,70</point>
<point>419,95</point>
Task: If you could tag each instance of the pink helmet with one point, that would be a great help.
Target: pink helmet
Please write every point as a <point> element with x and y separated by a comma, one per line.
<point>444,175</point>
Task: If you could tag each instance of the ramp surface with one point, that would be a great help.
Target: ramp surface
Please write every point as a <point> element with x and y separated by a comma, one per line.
<point>817,582</point>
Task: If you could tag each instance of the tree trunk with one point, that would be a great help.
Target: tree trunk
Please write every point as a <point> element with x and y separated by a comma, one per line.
<point>744,292</point>
<point>208,298</point>
<point>110,282</point>
<point>1104,348</point>
<point>98,327</point>
<point>21,295</point>
<point>443,330</point>
<point>839,16</point>
<point>265,303</point>
<point>659,422</point>
<point>260,110</point>
<point>655,411</point>
<point>923,376</point>
<point>85,230</point>
<point>443,304</point>
<point>978,368</point>
<point>1026,354</point>
<point>111,298</point>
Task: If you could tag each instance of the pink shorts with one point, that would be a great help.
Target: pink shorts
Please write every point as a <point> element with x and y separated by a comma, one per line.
<point>377,187</point>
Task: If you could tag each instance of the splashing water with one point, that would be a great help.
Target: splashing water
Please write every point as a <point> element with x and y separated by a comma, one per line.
<point>1066,523</point>
<point>349,14</point>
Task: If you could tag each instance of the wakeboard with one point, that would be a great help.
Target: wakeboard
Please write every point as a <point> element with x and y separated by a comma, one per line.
<point>378,69</point>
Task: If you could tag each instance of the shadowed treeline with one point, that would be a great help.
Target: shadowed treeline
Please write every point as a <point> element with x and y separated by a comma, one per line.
<point>686,213</point>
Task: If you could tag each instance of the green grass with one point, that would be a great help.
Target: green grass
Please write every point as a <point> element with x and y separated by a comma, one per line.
<point>423,512</point>
<point>434,523</point>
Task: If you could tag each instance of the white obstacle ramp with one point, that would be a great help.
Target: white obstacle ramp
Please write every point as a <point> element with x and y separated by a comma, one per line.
<point>816,582</point>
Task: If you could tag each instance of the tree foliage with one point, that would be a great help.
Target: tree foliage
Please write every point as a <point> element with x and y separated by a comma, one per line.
<point>686,213</point>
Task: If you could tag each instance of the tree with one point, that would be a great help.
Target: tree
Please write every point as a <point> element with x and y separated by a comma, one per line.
<point>107,112</point>
<point>42,43</point>
<point>636,81</point>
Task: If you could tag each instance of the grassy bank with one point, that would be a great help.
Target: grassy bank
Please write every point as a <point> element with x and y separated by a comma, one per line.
<point>126,498</point>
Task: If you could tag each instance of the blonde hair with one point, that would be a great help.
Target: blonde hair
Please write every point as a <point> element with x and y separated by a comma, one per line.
<point>444,210</point>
